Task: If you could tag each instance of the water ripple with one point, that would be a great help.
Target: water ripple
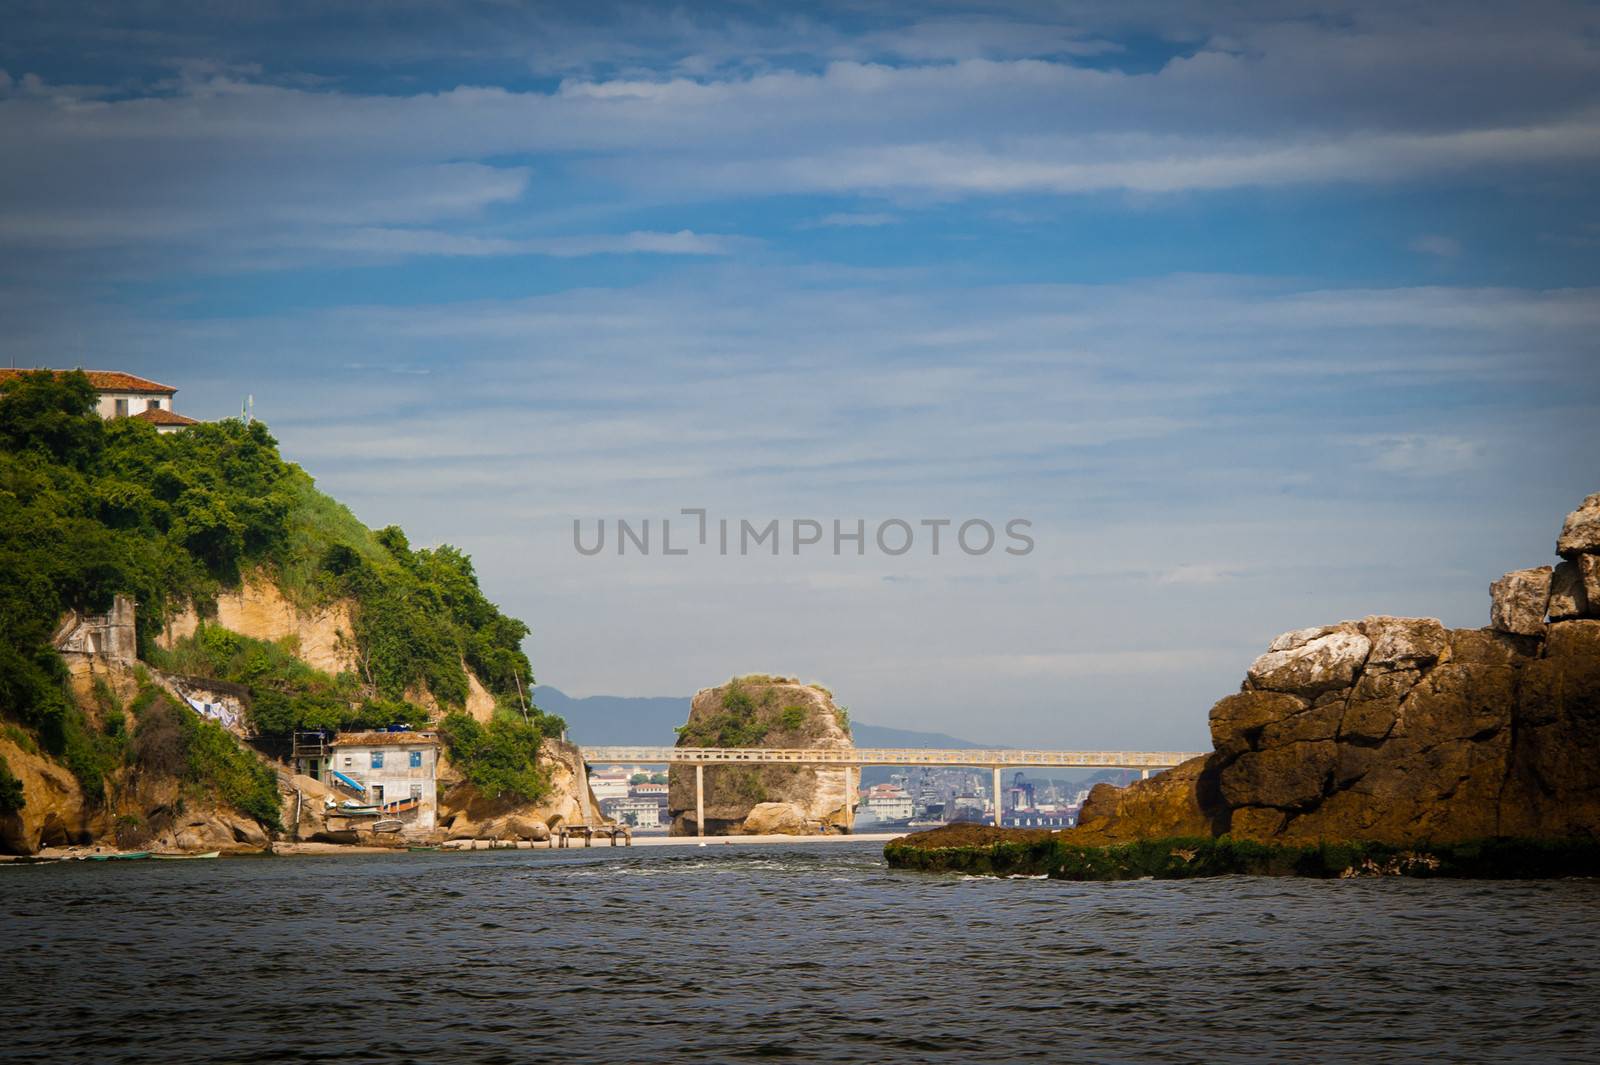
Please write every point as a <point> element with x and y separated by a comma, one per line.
<point>817,953</point>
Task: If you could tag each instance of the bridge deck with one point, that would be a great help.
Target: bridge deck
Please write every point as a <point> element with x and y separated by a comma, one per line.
<point>864,756</point>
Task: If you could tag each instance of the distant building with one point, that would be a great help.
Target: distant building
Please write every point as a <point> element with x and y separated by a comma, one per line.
<point>122,395</point>
<point>887,802</point>
<point>109,635</point>
<point>648,791</point>
<point>610,782</point>
<point>388,768</point>
<point>640,813</point>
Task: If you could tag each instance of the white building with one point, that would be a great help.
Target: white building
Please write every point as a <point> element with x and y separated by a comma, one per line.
<point>610,783</point>
<point>388,768</point>
<point>122,395</point>
<point>640,813</point>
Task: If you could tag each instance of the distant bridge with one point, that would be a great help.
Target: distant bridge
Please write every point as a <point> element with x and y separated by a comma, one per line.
<point>999,759</point>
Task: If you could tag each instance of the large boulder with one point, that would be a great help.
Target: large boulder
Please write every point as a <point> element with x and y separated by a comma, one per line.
<point>54,813</point>
<point>775,818</point>
<point>1320,664</point>
<point>1519,599</point>
<point>1403,643</point>
<point>763,711</point>
<point>1589,570</point>
<point>1173,803</point>
<point>1581,531</point>
<point>1568,598</point>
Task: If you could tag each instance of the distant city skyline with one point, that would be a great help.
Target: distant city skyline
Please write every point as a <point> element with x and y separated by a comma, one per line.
<point>1262,319</point>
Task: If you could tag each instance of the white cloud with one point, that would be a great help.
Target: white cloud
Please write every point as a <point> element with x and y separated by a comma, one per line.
<point>1424,455</point>
<point>391,242</point>
<point>858,219</point>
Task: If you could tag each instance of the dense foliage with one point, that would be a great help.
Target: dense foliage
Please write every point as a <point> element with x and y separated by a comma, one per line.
<point>172,741</point>
<point>90,508</point>
<point>11,796</point>
<point>286,694</point>
<point>752,714</point>
<point>499,758</point>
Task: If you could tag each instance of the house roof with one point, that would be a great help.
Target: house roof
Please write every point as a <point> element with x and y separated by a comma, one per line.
<point>104,381</point>
<point>164,417</point>
<point>385,739</point>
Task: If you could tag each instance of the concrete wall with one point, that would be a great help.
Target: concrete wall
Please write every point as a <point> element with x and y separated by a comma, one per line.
<point>396,777</point>
<point>137,401</point>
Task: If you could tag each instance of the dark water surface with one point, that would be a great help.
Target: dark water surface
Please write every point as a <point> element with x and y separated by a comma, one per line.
<point>810,953</point>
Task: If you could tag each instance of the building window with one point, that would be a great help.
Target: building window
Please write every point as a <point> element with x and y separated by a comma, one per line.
<point>416,759</point>
<point>152,404</point>
<point>349,761</point>
<point>416,791</point>
<point>377,759</point>
<point>122,408</point>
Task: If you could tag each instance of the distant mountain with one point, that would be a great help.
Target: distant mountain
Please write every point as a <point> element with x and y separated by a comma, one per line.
<point>613,720</point>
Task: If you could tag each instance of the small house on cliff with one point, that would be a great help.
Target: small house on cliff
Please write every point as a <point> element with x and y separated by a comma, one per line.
<point>395,771</point>
<point>123,395</point>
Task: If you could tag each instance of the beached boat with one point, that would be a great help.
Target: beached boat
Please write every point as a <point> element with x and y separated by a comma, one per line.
<point>391,825</point>
<point>186,857</point>
<point>422,850</point>
<point>125,856</point>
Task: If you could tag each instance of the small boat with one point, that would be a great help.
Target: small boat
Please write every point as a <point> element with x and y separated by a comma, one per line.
<point>186,857</point>
<point>391,825</point>
<point>124,856</point>
<point>422,850</point>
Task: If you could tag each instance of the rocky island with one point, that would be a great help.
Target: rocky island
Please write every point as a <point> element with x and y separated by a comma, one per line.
<point>1379,745</point>
<point>760,710</point>
<point>188,627</point>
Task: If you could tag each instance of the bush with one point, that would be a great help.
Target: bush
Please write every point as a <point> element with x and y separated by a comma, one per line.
<point>501,759</point>
<point>173,741</point>
<point>11,797</point>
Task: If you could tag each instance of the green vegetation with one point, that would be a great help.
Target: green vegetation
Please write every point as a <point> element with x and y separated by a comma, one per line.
<point>11,797</point>
<point>500,759</point>
<point>172,741</point>
<point>1034,854</point>
<point>752,714</point>
<point>90,509</point>
<point>286,695</point>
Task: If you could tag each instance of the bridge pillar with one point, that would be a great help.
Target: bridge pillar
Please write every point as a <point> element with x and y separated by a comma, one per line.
<point>998,801</point>
<point>1144,774</point>
<point>699,799</point>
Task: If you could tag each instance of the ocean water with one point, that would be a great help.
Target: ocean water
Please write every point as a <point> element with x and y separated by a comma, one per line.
<point>806,953</point>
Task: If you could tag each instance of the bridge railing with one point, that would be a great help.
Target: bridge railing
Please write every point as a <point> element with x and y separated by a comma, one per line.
<point>863,756</point>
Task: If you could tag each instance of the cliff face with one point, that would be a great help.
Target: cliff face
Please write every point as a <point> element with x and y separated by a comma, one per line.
<point>1397,730</point>
<point>762,711</point>
<point>323,639</point>
<point>465,813</point>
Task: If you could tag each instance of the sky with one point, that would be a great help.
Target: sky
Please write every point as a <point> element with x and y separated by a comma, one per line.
<point>1261,315</point>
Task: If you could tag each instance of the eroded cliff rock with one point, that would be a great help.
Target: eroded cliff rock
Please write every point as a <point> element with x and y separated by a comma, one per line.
<point>1397,730</point>
<point>322,638</point>
<point>465,813</point>
<point>764,711</point>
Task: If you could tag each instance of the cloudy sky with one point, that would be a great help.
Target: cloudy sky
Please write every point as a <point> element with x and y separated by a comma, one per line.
<point>1263,315</point>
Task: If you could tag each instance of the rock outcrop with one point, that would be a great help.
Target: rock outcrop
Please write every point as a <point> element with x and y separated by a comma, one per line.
<point>322,638</point>
<point>465,813</point>
<point>1398,730</point>
<point>764,711</point>
<point>54,813</point>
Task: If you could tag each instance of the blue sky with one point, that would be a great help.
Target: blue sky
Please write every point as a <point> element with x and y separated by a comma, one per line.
<point>1265,315</point>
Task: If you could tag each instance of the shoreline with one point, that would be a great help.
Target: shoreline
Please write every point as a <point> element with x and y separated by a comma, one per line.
<point>303,849</point>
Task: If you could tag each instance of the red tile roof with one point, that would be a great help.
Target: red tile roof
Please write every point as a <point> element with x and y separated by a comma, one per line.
<point>104,381</point>
<point>164,417</point>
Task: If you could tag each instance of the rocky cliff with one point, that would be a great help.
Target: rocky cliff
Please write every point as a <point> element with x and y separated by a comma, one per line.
<point>1398,730</point>
<point>152,797</point>
<point>764,711</point>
